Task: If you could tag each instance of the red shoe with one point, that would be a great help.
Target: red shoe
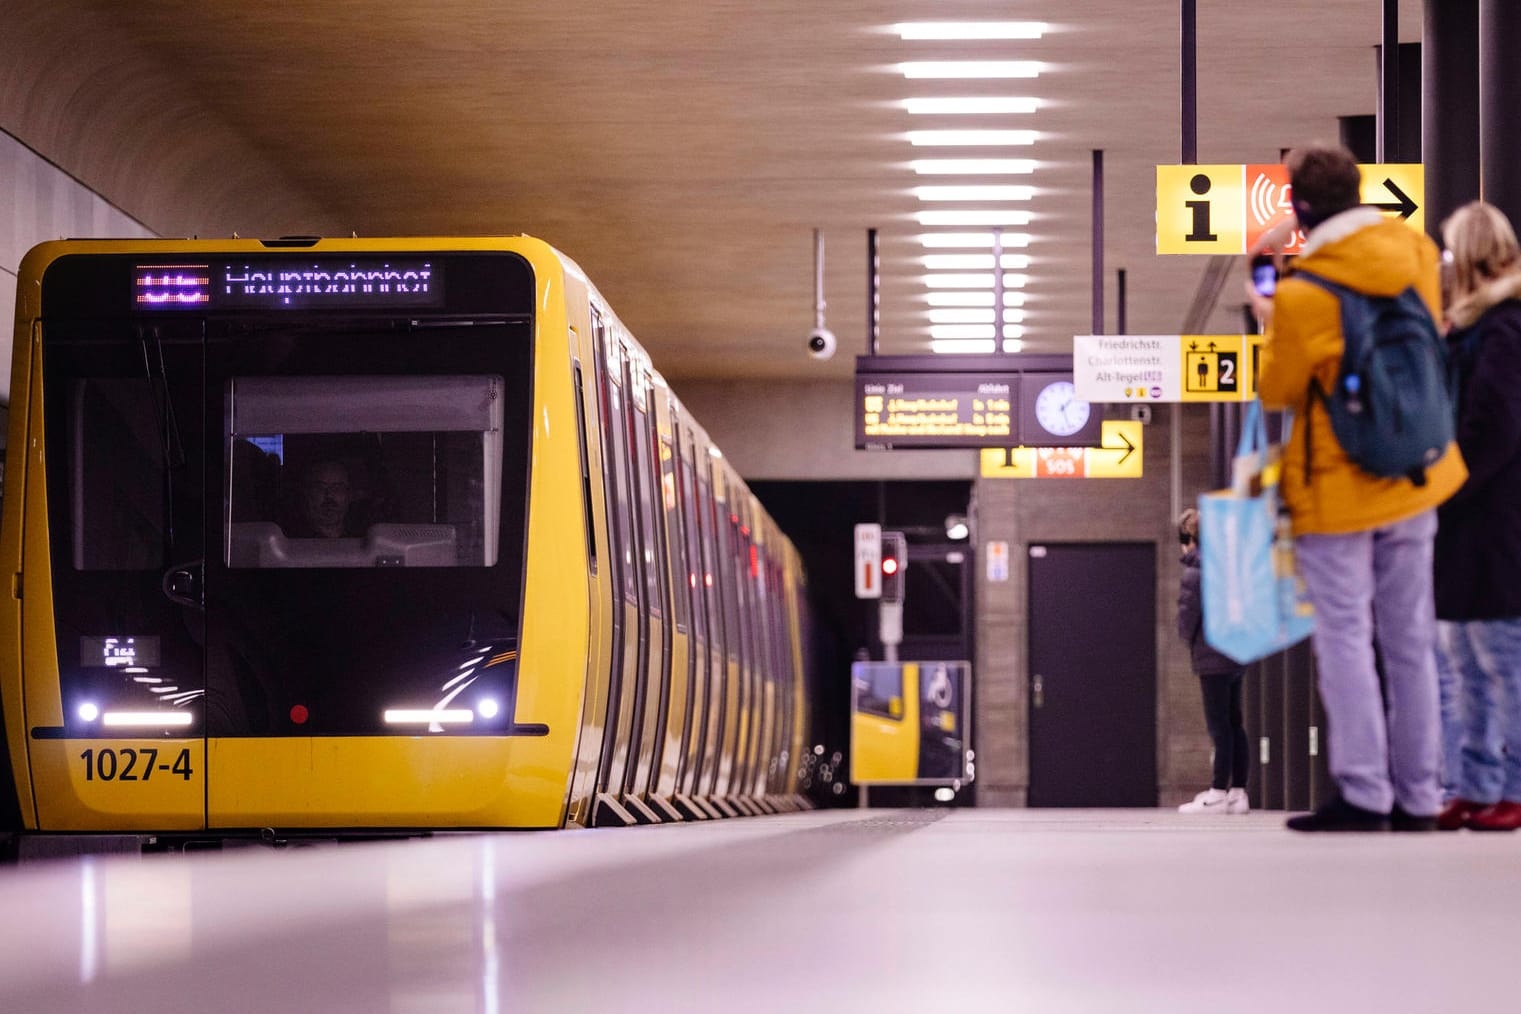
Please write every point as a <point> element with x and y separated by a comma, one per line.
<point>1457,813</point>
<point>1503,816</point>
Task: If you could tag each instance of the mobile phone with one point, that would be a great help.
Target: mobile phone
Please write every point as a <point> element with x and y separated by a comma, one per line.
<point>1264,274</point>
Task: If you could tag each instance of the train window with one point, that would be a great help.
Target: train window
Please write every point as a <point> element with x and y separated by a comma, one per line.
<point>675,529</point>
<point>586,494</point>
<point>622,508</point>
<point>879,690</point>
<point>116,484</point>
<point>649,501</point>
<point>360,471</point>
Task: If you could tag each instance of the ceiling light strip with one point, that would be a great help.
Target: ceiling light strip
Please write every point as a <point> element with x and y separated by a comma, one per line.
<point>971,105</point>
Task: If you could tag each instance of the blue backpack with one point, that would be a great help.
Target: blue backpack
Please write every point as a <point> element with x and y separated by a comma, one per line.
<point>1391,407</point>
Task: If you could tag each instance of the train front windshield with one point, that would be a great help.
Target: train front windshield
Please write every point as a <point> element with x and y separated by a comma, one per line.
<point>287,518</point>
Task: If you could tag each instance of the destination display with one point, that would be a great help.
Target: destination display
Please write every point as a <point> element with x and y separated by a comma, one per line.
<point>936,410</point>
<point>265,284</point>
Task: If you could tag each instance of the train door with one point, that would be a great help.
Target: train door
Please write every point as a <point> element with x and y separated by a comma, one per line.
<point>677,707</point>
<point>624,572</point>
<point>119,740</point>
<point>691,588</point>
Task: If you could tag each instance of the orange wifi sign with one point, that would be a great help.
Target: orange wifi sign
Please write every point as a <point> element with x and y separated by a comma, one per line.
<point>1268,202</point>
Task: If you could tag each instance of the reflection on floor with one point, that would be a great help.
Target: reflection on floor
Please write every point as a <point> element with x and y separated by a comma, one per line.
<point>880,910</point>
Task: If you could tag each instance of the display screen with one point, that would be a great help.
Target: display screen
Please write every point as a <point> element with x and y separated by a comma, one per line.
<point>308,284</point>
<point>118,652</point>
<point>935,410</point>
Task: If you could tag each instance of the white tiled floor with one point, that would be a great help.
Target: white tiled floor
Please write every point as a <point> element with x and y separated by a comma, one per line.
<point>996,910</point>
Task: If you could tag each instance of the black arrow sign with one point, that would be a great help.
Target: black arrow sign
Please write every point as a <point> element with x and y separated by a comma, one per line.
<point>1129,448</point>
<point>1404,206</point>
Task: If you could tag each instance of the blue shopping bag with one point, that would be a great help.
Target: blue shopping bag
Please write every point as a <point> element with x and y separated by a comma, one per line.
<point>1254,604</point>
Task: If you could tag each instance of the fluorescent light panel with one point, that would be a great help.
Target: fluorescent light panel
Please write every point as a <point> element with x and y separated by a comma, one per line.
<point>971,331</point>
<point>971,138</point>
<point>963,240</point>
<point>964,346</point>
<point>972,315</point>
<point>969,281</point>
<point>978,216</point>
<point>973,298</point>
<point>995,192</point>
<point>970,30</point>
<point>974,262</point>
<point>970,105</point>
<point>973,166</point>
<point>969,69</point>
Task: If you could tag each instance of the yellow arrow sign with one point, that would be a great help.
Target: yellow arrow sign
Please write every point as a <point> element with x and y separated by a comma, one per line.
<point>1118,456</point>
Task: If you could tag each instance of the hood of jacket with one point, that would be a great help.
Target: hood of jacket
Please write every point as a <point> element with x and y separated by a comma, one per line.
<point>1361,249</point>
<point>1467,311</point>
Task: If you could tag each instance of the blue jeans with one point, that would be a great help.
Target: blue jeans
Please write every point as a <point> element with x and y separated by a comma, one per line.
<point>1363,585</point>
<point>1485,655</point>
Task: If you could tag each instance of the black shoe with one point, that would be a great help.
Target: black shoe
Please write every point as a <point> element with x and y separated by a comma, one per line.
<point>1340,815</point>
<point>1400,820</point>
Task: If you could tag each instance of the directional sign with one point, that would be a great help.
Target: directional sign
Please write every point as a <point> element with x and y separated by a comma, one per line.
<point>1119,457</point>
<point>1166,368</point>
<point>1225,209</point>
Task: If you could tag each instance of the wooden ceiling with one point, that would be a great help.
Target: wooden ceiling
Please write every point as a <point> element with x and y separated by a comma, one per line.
<point>681,152</point>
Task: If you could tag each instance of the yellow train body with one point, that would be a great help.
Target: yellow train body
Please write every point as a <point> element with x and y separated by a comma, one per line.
<point>618,642</point>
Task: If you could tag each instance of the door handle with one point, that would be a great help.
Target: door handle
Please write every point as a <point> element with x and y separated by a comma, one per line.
<point>1038,691</point>
<point>183,584</point>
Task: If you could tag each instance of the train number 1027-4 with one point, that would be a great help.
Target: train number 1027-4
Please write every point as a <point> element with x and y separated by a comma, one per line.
<point>129,765</point>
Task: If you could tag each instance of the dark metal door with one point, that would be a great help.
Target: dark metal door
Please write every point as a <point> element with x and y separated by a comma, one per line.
<point>1092,618</point>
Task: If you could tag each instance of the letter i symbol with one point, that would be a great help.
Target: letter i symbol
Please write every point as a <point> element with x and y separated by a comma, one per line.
<point>1200,185</point>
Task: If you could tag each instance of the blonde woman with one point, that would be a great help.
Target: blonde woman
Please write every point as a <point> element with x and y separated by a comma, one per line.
<point>1478,545</point>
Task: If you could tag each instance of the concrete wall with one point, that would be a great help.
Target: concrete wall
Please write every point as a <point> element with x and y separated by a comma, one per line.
<point>39,201</point>
<point>780,430</point>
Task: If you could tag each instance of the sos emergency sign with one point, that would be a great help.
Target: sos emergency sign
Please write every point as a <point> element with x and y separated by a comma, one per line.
<point>1225,209</point>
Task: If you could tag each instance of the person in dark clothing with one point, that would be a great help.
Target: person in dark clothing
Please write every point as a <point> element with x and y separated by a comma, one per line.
<point>1220,680</point>
<point>1477,564</point>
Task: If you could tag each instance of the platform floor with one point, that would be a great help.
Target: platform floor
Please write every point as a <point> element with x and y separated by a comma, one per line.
<point>880,910</point>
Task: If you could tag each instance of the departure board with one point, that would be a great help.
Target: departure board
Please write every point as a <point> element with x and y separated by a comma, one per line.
<point>936,410</point>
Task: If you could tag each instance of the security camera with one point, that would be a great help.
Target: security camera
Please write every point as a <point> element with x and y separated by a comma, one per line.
<point>821,343</point>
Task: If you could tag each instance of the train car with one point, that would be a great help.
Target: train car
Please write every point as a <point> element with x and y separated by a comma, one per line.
<point>322,535</point>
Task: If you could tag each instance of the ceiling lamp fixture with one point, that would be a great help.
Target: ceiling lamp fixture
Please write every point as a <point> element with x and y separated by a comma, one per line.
<point>974,262</point>
<point>969,69</point>
<point>972,346</point>
<point>973,166</point>
<point>969,105</point>
<point>995,192</point>
<point>981,216</point>
<point>973,298</point>
<point>972,315</point>
<point>961,240</point>
<point>971,331</point>
<point>970,30</point>
<point>971,138</point>
<point>973,281</point>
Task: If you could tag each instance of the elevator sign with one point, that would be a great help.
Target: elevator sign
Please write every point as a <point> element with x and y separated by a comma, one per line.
<point>1225,209</point>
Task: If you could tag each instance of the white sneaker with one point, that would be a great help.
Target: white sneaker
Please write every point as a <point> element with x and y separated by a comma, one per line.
<point>1235,802</point>
<point>1208,801</point>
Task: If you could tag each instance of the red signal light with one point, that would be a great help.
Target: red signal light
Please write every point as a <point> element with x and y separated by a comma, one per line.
<point>889,565</point>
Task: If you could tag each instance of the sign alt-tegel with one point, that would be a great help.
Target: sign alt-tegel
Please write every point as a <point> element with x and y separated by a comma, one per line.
<point>1225,209</point>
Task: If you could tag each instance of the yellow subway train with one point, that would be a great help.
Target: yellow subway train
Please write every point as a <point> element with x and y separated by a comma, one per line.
<point>374,535</point>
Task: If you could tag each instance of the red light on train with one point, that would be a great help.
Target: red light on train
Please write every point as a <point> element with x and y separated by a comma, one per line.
<point>298,714</point>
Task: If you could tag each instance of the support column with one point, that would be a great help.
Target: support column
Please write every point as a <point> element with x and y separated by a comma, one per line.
<point>1449,107</point>
<point>1500,104</point>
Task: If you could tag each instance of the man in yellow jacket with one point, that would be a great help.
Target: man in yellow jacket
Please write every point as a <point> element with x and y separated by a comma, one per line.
<point>1363,543</point>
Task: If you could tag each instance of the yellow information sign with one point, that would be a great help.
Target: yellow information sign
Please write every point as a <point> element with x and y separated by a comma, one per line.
<point>1200,209</point>
<point>1225,209</point>
<point>1220,367</point>
<point>1118,457</point>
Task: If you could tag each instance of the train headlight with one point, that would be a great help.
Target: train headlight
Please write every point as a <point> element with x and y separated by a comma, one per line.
<point>488,707</point>
<point>88,712</point>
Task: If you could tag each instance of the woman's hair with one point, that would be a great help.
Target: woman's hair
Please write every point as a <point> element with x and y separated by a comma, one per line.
<point>1483,246</point>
